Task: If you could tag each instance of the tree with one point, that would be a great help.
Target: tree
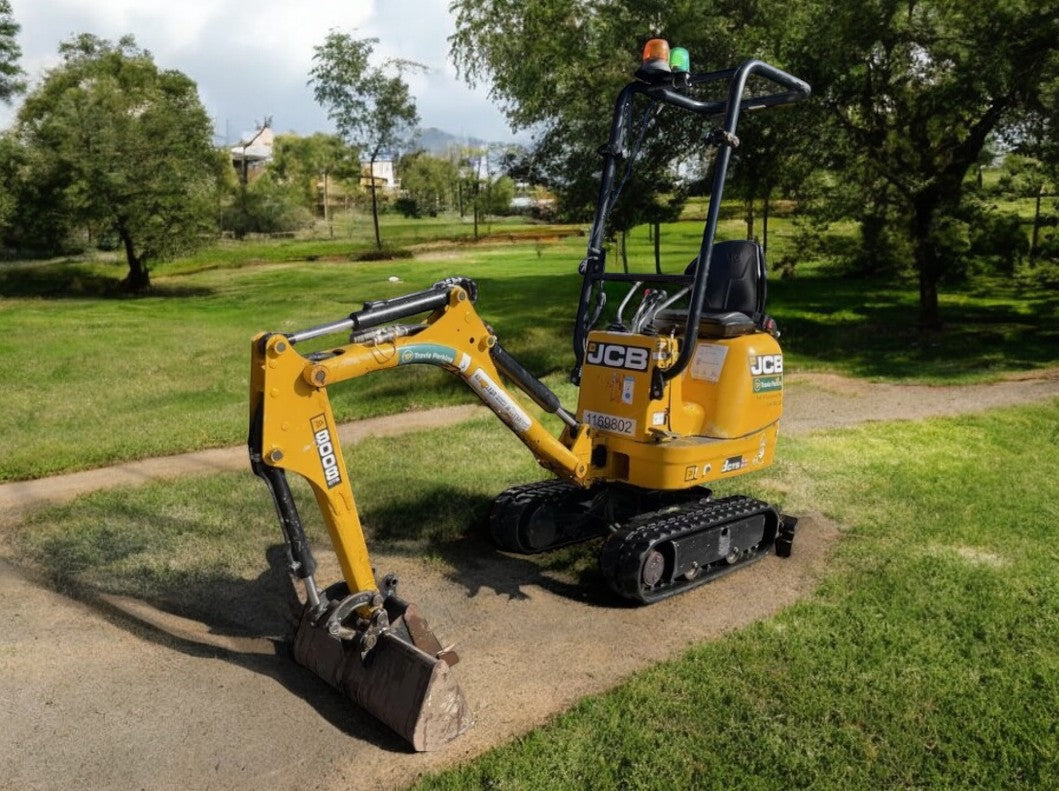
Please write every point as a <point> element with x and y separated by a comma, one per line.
<point>119,146</point>
<point>370,105</point>
<point>428,183</point>
<point>311,164</point>
<point>526,52</point>
<point>11,82</point>
<point>911,90</point>
<point>914,91</point>
<point>1025,177</point>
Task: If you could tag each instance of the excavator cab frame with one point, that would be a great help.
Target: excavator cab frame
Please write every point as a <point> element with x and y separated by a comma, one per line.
<point>671,88</point>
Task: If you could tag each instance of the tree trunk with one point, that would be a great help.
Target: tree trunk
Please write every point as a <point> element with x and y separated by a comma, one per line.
<point>327,206</point>
<point>929,314</point>
<point>928,265</point>
<point>765,225</point>
<point>750,218</point>
<point>375,206</point>
<point>1036,227</point>
<point>474,207</point>
<point>624,253</point>
<point>139,278</point>
<point>658,251</point>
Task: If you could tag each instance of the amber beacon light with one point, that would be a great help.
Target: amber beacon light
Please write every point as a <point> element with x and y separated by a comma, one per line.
<point>656,54</point>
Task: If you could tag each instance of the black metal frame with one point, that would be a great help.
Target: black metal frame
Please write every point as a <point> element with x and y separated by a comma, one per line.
<point>672,91</point>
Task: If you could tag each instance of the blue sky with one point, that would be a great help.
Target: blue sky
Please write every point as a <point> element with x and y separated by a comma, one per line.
<point>251,58</point>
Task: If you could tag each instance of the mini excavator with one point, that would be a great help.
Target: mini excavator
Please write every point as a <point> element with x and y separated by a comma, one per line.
<point>685,391</point>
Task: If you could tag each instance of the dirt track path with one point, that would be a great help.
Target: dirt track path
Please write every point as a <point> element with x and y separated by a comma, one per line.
<point>115,694</point>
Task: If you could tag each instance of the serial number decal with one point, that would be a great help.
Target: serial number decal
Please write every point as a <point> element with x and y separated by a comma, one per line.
<point>500,402</point>
<point>708,362</point>
<point>615,355</point>
<point>611,423</point>
<point>325,449</point>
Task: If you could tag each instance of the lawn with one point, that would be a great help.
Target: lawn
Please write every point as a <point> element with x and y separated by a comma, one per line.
<point>926,658</point>
<point>91,377</point>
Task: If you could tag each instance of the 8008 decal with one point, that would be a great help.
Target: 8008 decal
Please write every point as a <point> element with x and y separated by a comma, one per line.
<point>325,449</point>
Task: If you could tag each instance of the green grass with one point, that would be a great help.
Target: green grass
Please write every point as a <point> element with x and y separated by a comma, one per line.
<point>90,380</point>
<point>926,659</point>
<point>183,544</point>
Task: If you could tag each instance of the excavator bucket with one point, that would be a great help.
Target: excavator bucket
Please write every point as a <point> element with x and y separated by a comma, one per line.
<point>403,680</point>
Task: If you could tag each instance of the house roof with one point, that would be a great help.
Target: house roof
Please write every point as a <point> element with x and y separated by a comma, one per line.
<point>255,146</point>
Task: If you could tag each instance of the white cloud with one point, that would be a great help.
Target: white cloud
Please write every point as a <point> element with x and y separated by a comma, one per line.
<point>252,59</point>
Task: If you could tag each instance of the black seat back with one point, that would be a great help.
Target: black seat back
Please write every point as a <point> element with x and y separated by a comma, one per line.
<point>736,281</point>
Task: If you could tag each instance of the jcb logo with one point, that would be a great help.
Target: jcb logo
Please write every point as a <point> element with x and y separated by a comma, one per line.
<point>325,447</point>
<point>615,355</point>
<point>766,364</point>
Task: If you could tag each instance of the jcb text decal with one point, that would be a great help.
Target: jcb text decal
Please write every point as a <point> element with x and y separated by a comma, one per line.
<point>325,447</point>
<point>614,355</point>
<point>766,364</point>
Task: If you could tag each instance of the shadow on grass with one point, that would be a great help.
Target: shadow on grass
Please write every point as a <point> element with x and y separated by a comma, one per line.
<point>75,280</point>
<point>868,328</point>
<point>451,525</point>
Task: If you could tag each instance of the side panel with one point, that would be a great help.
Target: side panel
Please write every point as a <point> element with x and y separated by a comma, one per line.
<point>732,388</point>
<point>615,397</point>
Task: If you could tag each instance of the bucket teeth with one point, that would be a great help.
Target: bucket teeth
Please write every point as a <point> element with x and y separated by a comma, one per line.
<point>402,685</point>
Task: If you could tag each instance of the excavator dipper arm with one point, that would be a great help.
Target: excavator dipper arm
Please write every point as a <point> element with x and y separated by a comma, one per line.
<point>349,641</point>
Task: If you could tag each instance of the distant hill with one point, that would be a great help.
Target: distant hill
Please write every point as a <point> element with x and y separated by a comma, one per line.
<point>437,141</point>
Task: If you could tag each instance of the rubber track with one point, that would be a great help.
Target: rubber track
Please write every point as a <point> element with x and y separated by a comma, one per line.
<point>510,504</point>
<point>622,556</point>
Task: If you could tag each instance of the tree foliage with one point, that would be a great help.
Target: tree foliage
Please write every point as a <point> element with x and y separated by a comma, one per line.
<point>116,145</point>
<point>11,82</point>
<point>309,165</point>
<point>914,91</point>
<point>264,206</point>
<point>907,95</point>
<point>429,184</point>
<point>371,106</point>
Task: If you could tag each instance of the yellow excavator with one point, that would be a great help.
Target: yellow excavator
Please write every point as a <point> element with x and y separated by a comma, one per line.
<point>680,387</point>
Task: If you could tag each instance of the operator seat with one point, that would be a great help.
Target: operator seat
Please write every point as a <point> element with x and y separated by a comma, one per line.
<point>734,303</point>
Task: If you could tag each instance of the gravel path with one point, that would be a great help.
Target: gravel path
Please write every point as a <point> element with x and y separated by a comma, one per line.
<point>113,693</point>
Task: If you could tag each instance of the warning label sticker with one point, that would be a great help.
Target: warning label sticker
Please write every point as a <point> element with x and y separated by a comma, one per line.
<point>499,401</point>
<point>708,362</point>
